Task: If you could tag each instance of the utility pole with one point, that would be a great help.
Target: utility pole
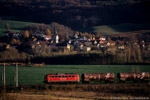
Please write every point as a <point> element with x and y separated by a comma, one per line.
<point>16,74</point>
<point>4,77</point>
<point>4,83</point>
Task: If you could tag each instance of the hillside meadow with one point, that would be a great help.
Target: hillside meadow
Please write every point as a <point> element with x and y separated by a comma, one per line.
<point>35,75</point>
<point>15,26</point>
<point>117,28</point>
<point>18,26</point>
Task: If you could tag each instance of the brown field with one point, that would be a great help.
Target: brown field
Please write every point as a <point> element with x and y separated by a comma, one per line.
<point>121,91</point>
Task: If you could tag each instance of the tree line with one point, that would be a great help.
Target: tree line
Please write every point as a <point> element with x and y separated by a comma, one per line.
<point>78,13</point>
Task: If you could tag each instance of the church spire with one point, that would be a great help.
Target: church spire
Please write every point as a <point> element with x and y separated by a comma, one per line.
<point>55,37</point>
<point>55,30</point>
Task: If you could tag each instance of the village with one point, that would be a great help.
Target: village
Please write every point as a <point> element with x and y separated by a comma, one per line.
<point>42,43</point>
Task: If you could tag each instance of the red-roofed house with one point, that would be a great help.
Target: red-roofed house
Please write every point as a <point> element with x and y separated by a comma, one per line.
<point>46,37</point>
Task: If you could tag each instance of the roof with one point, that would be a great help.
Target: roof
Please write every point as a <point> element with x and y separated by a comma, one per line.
<point>112,42</point>
<point>43,42</point>
<point>101,36</point>
<point>62,74</point>
<point>46,36</point>
<point>88,43</point>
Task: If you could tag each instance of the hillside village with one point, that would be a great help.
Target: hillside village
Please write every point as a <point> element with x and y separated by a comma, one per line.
<point>26,44</point>
<point>77,42</point>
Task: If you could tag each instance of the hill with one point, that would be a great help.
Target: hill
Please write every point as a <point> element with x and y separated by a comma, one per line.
<point>78,14</point>
<point>15,26</point>
<point>117,29</point>
<point>19,26</point>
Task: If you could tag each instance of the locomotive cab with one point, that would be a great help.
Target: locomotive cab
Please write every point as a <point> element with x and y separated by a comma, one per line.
<point>61,78</point>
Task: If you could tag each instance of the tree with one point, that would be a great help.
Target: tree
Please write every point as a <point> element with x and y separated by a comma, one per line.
<point>26,34</point>
<point>13,41</point>
<point>77,33</point>
<point>90,36</point>
<point>133,39</point>
<point>86,34</point>
<point>109,39</point>
<point>7,27</point>
<point>48,32</point>
<point>93,35</point>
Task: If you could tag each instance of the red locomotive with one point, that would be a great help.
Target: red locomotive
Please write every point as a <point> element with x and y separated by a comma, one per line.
<point>54,78</point>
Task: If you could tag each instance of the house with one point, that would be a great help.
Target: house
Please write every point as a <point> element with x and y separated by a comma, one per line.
<point>69,41</point>
<point>43,42</point>
<point>102,41</point>
<point>112,43</point>
<point>93,38</point>
<point>94,42</point>
<point>108,44</point>
<point>65,47</point>
<point>8,46</point>
<point>81,46</point>
<point>85,38</point>
<point>121,47</point>
<point>46,37</point>
<point>142,43</point>
<point>147,46</point>
<point>86,48</point>
<point>16,36</point>
<point>75,36</point>
<point>121,42</point>
<point>88,43</point>
<point>102,45</point>
<point>102,38</point>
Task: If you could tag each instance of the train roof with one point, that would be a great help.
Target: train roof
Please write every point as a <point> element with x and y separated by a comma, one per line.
<point>63,74</point>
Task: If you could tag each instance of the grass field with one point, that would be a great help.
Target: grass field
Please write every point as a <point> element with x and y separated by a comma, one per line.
<point>117,29</point>
<point>15,26</point>
<point>35,75</point>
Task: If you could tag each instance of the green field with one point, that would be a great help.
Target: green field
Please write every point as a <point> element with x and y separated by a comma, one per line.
<point>15,26</point>
<point>35,75</point>
<point>117,29</point>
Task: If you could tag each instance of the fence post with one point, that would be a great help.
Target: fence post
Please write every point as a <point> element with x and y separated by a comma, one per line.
<point>16,74</point>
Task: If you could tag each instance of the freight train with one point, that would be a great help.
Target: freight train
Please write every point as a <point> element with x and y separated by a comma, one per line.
<point>96,77</point>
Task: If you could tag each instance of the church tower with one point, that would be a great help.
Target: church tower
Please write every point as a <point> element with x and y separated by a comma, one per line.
<point>55,37</point>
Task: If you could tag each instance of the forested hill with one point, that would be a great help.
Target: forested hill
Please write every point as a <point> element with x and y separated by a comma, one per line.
<point>78,13</point>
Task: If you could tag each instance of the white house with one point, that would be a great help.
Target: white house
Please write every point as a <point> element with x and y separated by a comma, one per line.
<point>102,38</point>
<point>87,49</point>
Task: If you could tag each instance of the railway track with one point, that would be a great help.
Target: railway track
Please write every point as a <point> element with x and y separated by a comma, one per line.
<point>75,86</point>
